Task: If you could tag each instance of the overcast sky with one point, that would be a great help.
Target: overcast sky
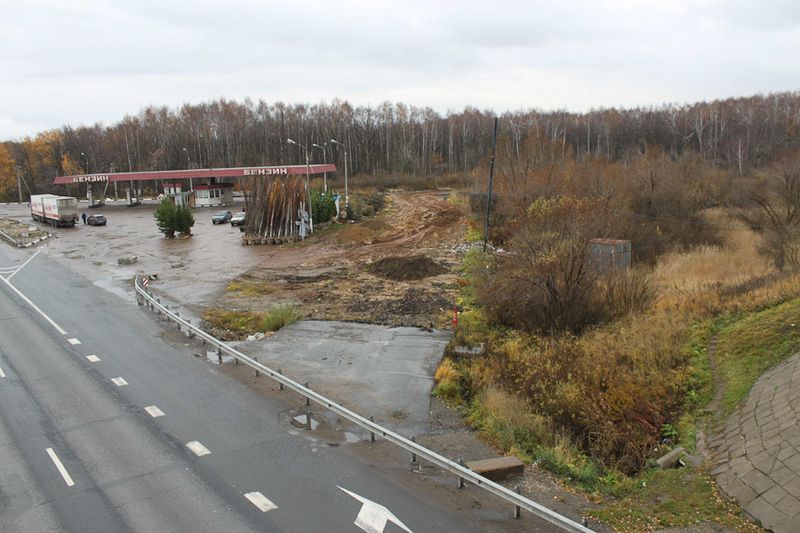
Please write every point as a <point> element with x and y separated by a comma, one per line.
<point>76,62</point>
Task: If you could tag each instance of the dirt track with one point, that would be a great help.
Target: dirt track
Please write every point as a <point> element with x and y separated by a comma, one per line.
<point>328,277</point>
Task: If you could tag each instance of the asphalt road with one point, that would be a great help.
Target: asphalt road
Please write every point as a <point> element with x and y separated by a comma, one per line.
<point>84,447</point>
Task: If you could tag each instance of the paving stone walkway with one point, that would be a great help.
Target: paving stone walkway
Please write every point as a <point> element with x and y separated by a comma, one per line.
<point>758,451</point>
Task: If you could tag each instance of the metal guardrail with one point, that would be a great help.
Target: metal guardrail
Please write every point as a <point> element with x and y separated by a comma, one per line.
<point>463,473</point>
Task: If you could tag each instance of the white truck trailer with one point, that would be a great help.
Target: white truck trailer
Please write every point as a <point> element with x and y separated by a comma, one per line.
<point>55,210</point>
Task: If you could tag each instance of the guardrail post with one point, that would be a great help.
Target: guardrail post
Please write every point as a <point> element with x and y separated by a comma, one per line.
<point>516,507</point>
<point>413,455</point>
<point>177,314</point>
<point>460,479</point>
<point>189,330</point>
<point>219,356</point>
<point>308,400</point>
<point>308,420</point>
<point>256,360</point>
<point>371,433</point>
<point>280,383</point>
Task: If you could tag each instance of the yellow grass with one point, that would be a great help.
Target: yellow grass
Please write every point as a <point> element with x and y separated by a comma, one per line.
<point>735,262</point>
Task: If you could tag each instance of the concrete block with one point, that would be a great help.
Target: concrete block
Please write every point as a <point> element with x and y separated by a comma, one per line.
<point>670,459</point>
<point>497,468</point>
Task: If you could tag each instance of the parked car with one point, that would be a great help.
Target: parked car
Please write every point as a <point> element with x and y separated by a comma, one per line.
<point>238,219</point>
<point>96,219</point>
<point>221,217</point>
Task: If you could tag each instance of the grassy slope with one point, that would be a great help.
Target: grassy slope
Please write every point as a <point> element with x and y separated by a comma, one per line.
<point>756,328</point>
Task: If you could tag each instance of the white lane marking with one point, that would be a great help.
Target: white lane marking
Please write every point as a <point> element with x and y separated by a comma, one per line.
<point>73,341</point>
<point>2,374</point>
<point>93,358</point>
<point>154,411</point>
<point>198,449</point>
<point>372,517</point>
<point>29,302</point>
<point>61,469</point>
<point>119,382</point>
<point>25,263</point>
<point>262,502</point>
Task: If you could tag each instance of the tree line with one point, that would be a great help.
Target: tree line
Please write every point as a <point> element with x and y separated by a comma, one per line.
<point>397,139</point>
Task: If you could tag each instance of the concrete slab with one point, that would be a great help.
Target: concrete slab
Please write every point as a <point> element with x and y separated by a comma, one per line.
<point>497,468</point>
<point>377,371</point>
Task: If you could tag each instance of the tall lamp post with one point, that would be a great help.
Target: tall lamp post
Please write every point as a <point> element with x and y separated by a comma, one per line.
<point>111,171</point>
<point>346,195</point>
<point>308,184</point>
<point>325,161</point>
<point>89,194</point>
<point>189,166</point>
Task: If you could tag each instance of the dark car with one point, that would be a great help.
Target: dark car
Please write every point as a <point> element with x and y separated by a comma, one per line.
<point>238,219</point>
<point>96,219</point>
<point>221,217</point>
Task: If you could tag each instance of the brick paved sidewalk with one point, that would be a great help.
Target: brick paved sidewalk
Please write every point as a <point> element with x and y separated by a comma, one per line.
<point>758,452</point>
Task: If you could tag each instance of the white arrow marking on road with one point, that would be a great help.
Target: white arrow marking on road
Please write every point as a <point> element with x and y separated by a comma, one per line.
<point>262,502</point>
<point>372,517</point>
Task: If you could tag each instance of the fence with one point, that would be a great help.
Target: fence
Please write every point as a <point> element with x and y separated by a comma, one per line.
<point>417,451</point>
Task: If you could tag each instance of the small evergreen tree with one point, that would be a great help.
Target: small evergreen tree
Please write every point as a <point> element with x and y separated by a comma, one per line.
<point>171,218</point>
<point>165,218</point>
<point>184,220</point>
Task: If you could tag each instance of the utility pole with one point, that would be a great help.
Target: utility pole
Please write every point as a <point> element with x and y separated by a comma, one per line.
<point>489,196</point>
<point>19,183</point>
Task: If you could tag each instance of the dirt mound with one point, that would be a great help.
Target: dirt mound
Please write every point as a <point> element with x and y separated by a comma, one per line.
<point>406,268</point>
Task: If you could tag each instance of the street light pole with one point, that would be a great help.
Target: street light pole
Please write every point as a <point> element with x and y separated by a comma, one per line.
<point>111,167</point>
<point>346,195</point>
<point>89,194</point>
<point>308,184</point>
<point>19,183</point>
<point>189,166</point>
<point>324,161</point>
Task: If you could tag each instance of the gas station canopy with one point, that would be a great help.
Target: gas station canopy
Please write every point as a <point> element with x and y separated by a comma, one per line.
<point>239,172</point>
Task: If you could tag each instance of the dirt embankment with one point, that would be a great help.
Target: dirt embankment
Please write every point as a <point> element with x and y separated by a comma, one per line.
<point>398,268</point>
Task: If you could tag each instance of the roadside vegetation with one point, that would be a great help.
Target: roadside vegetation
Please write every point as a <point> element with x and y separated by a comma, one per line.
<point>594,372</point>
<point>237,325</point>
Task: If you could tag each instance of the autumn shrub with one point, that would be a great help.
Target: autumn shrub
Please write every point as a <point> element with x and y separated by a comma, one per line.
<point>365,203</point>
<point>447,379</point>
<point>281,316</point>
<point>627,291</point>
<point>546,283</point>
<point>612,389</point>
<point>509,422</point>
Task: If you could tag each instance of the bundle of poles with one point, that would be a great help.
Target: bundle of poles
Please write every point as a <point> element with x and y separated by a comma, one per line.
<point>272,204</point>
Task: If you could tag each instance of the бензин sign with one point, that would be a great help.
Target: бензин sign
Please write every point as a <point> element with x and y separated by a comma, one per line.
<point>266,171</point>
<point>91,178</point>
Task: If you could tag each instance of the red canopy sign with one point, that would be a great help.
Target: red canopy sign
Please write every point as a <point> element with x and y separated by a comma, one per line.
<point>240,172</point>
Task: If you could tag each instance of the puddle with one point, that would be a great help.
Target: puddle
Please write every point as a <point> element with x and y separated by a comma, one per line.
<point>300,421</point>
<point>211,356</point>
<point>114,287</point>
